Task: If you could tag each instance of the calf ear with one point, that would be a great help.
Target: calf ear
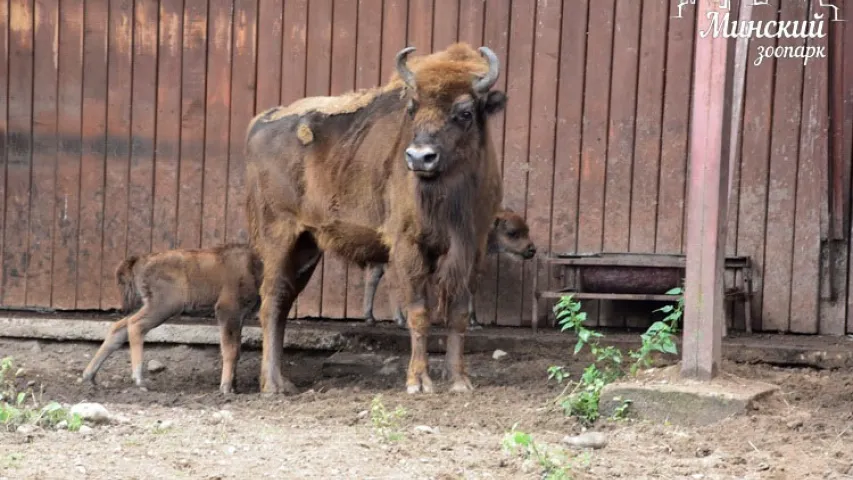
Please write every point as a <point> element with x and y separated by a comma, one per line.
<point>495,102</point>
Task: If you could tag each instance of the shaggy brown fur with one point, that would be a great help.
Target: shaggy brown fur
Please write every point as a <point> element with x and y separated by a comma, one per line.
<point>222,280</point>
<point>509,234</point>
<point>349,184</point>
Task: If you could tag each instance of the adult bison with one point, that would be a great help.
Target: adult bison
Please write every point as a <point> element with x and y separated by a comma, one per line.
<point>405,172</point>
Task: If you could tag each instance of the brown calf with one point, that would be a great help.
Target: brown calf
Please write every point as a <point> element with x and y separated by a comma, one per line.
<point>509,234</point>
<point>224,279</point>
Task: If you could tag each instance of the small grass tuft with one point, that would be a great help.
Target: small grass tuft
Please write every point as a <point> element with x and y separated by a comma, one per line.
<point>19,405</point>
<point>386,424</point>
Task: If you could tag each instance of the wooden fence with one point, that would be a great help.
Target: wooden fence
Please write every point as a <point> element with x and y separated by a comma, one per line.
<point>124,124</point>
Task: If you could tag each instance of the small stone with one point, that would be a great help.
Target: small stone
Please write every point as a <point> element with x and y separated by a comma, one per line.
<point>425,429</point>
<point>795,424</point>
<point>31,383</point>
<point>62,425</point>
<point>93,412</point>
<point>223,416</point>
<point>362,414</point>
<point>499,354</point>
<point>697,475</point>
<point>80,469</point>
<point>155,366</point>
<point>594,440</point>
<point>25,429</point>
<point>762,467</point>
<point>390,359</point>
<point>230,449</point>
<point>388,369</point>
<point>164,424</point>
<point>86,430</point>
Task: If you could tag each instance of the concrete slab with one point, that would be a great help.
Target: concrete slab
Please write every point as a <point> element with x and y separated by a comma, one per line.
<point>661,395</point>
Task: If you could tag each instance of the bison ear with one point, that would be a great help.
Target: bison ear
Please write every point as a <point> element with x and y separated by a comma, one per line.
<point>495,102</point>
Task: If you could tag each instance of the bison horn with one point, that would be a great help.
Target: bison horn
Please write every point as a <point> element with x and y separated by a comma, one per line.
<point>483,85</point>
<point>402,69</point>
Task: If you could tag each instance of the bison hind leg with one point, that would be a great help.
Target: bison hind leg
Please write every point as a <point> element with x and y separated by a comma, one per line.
<point>289,264</point>
<point>154,313</point>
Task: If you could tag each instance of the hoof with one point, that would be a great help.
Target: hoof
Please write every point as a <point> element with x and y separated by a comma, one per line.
<point>370,320</point>
<point>282,386</point>
<point>424,385</point>
<point>226,389</point>
<point>474,325</point>
<point>89,379</point>
<point>462,385</point>
<point>401,324</point>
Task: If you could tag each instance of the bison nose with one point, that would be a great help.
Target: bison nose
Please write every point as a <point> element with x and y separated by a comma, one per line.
<point>531,251</point>
<point>422,158</point>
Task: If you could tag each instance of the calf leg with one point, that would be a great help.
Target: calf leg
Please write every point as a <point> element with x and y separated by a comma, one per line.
<point>373,274</point>
<point>151,315</point>
<point>115,338</point>
<point>287,268</point>
<point>455,361</point>
<point>230,336</point>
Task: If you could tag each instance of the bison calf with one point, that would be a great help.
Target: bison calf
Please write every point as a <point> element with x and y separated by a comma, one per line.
<point>509,234</point>
<point>224,279</point>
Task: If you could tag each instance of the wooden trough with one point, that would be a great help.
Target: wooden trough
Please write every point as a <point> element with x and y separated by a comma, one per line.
<point>631,276</point>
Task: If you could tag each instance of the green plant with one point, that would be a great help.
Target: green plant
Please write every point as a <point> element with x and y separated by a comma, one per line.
<point>22,406</point>
<point>660,336</point>
<point>582,401</point>
<point>554,461</point>
<point>386,423</point>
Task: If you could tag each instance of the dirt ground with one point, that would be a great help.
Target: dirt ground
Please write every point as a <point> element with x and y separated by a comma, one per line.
<point>176,430</point>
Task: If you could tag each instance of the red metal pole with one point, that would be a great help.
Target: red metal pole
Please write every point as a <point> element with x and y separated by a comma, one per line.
<point>708,201</point>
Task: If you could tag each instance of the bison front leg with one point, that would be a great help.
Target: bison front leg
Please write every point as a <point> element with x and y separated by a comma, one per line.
<point>410,273</point>
<point>455,362</point>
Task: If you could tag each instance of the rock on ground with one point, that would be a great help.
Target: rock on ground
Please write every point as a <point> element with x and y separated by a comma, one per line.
<point>93,412</point>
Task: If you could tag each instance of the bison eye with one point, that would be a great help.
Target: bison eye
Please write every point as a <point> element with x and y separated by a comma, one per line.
<point>513,234</point>
<point>411,108</point>
<point>464,116</point>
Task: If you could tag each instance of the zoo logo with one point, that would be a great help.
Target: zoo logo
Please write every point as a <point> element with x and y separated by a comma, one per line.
<point>811,28</point>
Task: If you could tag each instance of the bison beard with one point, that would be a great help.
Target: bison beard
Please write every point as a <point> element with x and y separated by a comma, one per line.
<point>405,173</point>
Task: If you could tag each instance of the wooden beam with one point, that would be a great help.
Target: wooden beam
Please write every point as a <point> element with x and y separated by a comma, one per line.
<point>707,202</point>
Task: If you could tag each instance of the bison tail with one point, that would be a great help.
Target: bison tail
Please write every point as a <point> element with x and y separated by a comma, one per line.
<point>126,280</point>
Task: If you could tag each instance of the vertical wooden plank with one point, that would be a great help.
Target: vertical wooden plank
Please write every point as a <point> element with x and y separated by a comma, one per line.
<point>755,154</point>
<point>594,135</point>
<point>814,135</point>
<point>95,20</point>
<point>294,49</point>
<point>270,14</point>
<point>241,112</point>
<point>471,28</point>
<point>216,123</point>
<point>293,64</point>
<point>676,123</point>
<point>516,149</point>
<point>140,206</point>
<point>118,147</point>
<point>647,140</point>
<point>495,36</point>
<point>543,122</point>
<point>781,194</point>
<point>420,25</point>
<point>4,128</point>
<point>344,40</point>
<point>20,152</point>
<point>445,24</point>
<point>367,60</point>
<point>394,34</point>
<point>317,82</point>
<point>570,103</point>
<point>471,19</point>
<point>164,234</point>
<point>191,160</point>
<point>620,138</point>
<point>69,122</point>
<point>45,71</point>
